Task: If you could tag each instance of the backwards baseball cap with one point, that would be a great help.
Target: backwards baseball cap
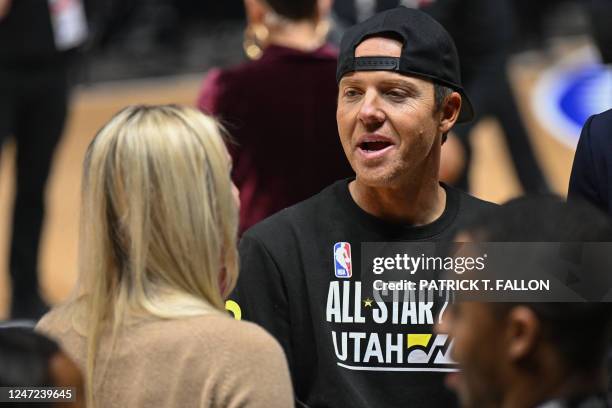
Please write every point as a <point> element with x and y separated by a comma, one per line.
<point>428,51</point>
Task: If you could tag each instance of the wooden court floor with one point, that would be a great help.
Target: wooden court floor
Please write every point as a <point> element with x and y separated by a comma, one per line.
<point>492,175</point>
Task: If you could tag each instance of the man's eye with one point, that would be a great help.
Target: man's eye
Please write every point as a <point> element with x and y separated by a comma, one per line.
<point>397,94</point>
<point>351,93</point>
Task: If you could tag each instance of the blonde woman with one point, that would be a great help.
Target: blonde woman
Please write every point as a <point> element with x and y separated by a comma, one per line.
<point>158,235</point>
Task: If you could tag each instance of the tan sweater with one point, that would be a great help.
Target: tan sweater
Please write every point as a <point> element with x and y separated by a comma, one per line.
<point>205,361</point>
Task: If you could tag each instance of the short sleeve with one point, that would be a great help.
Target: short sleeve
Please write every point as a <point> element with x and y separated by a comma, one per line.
<point>260,292</point>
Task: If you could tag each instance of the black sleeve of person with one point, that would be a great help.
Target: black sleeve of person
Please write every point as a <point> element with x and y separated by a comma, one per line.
<point>261,294</point>
<point>585,182</point>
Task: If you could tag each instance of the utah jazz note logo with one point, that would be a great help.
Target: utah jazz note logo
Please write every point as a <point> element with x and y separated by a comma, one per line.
<point>429,348</point>
<point>342,260</point>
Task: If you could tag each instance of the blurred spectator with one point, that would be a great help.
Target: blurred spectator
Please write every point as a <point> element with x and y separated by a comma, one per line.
<point>281,129</point>
<point>36,40</point>
<point>159,229</point>
<point>532,354</point>
<point>591,177</point>
<point>482,30</point>
<point>29,359</point>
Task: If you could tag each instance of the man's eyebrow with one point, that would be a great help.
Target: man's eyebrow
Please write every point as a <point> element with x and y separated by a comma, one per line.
<point>348,81</point>
<point>400,83</point>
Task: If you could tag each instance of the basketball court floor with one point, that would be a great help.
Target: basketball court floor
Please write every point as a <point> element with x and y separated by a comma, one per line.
<point>492,175</point>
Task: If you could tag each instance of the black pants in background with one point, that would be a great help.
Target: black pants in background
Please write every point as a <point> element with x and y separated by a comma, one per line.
<point>487,83</point>
<point>33,106</point>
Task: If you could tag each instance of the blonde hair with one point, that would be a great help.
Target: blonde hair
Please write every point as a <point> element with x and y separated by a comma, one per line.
<point>158,221</point>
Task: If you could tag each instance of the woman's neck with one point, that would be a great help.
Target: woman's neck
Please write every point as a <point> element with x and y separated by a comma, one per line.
<point>300,35</point>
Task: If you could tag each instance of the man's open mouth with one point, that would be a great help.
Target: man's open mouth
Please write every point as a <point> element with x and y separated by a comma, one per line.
<point>374,146</point>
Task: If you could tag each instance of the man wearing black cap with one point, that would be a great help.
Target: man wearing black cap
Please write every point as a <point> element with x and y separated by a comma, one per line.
<point>399,94</point>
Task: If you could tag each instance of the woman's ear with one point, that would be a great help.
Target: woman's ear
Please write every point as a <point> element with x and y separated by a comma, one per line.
<point>450,112</point>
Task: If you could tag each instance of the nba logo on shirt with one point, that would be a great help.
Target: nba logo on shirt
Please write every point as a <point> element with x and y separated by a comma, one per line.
<point>342,260</point>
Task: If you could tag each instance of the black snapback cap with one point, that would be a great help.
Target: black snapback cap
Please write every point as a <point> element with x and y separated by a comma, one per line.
<point>428,51</point>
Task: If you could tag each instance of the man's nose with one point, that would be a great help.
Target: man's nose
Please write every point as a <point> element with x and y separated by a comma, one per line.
<point>370,113</point>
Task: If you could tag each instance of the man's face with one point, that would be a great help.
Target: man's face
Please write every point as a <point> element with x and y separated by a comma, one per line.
<point>478,347</point>
<point>387,122</point>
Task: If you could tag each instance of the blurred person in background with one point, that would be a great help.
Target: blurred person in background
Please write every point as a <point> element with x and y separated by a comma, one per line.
<point>591,177</point>
<point>280,107</point>
<point>527,355</point>
<point>158,256</point>
<point>37,43</point>
<point>482,30</point>
<point>29,359</point>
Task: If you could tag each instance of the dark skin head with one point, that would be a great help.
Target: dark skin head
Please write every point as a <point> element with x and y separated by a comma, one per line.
<point>503,350</point>
<point>494,352</point>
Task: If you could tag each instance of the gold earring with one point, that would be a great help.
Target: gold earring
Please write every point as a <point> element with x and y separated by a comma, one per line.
<point>255,40</point>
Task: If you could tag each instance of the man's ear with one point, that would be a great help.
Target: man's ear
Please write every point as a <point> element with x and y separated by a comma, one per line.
<point>523,331</point>
<point>255,11</point>
<point>450,112</point>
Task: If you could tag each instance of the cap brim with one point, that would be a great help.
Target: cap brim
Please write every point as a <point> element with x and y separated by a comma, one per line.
<point>467,109</point>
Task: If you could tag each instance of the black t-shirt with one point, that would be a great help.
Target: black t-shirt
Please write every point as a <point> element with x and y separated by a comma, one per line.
<point>343,357</point>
